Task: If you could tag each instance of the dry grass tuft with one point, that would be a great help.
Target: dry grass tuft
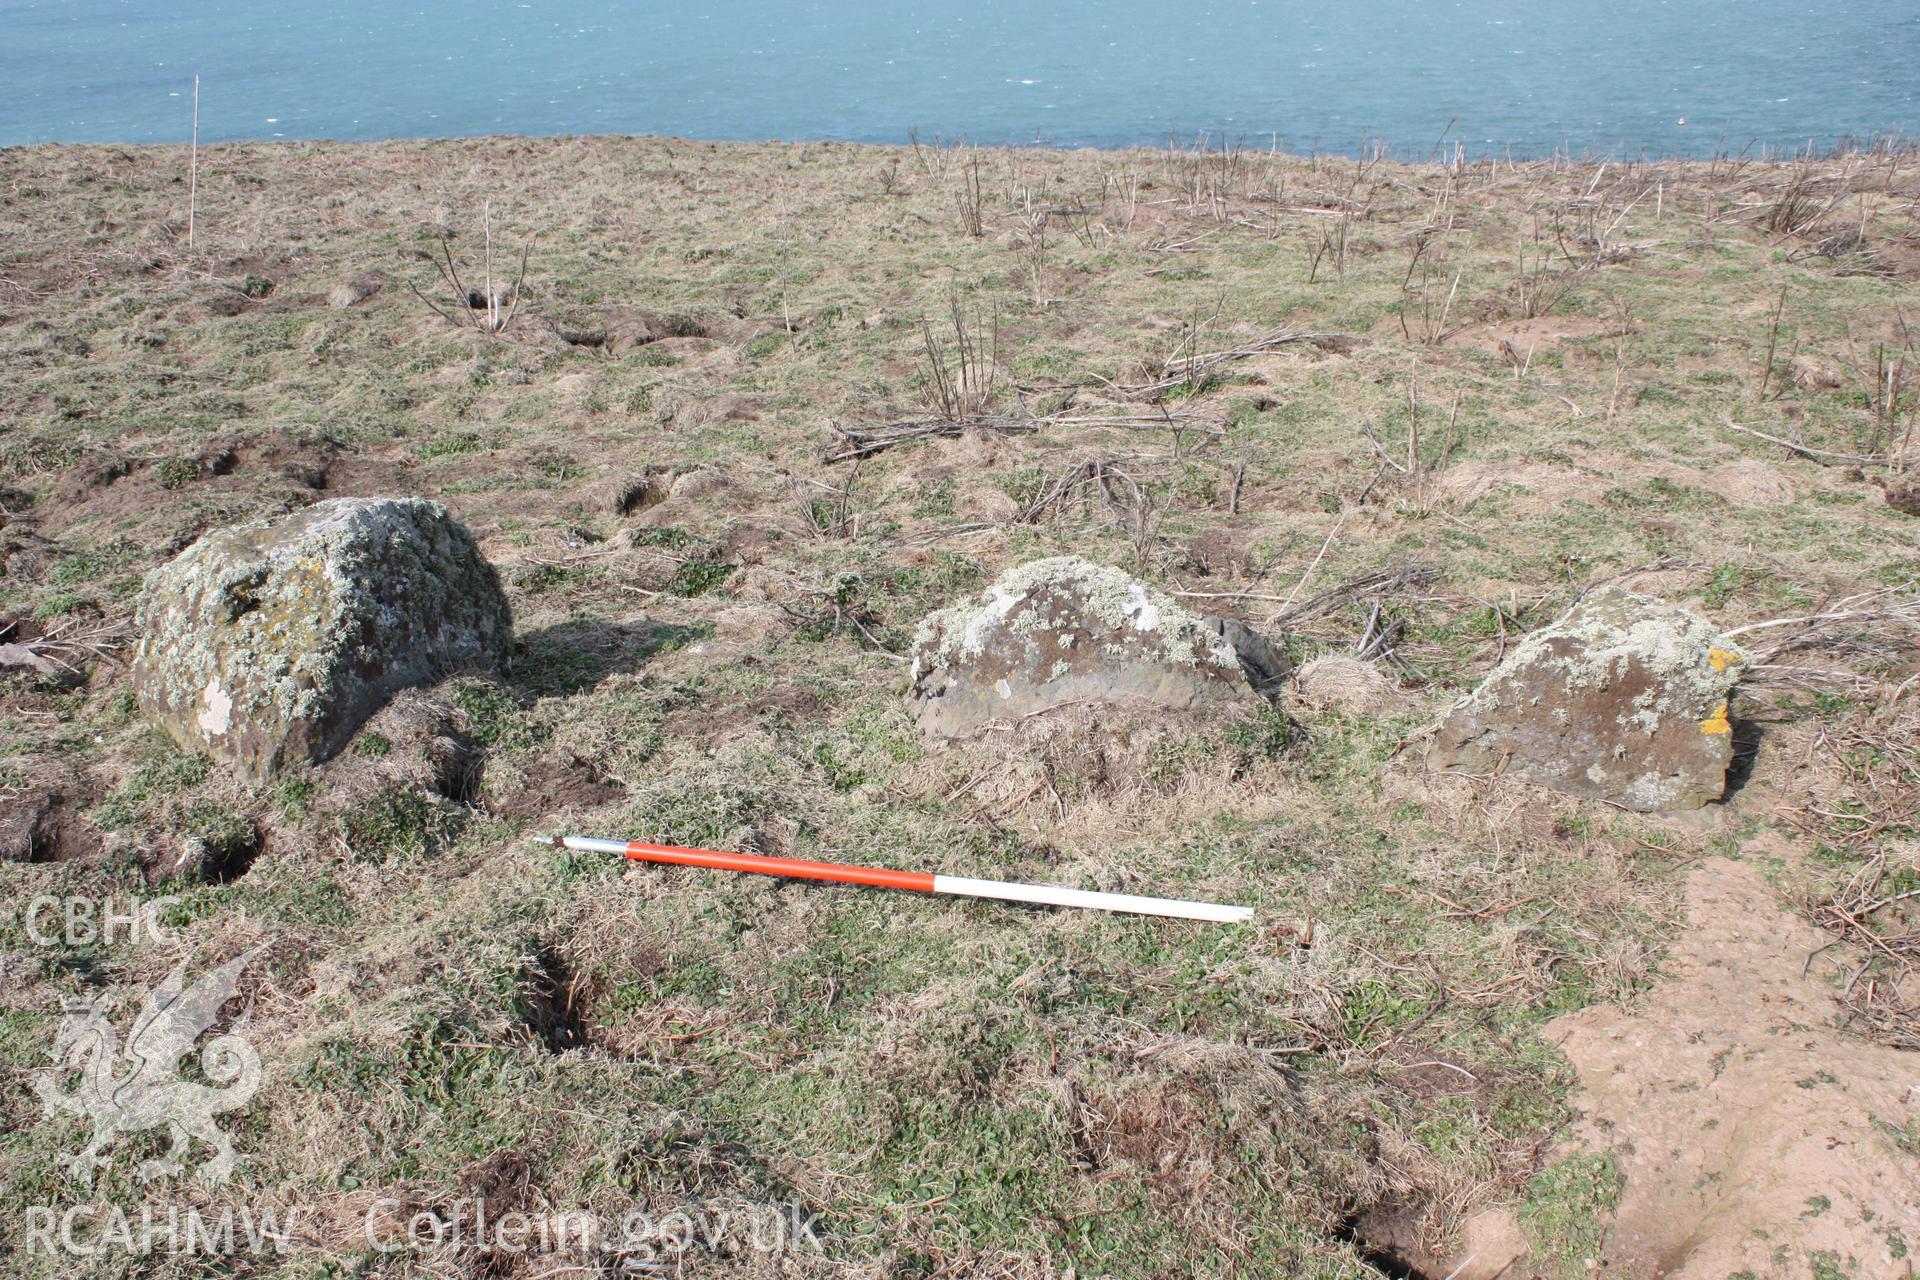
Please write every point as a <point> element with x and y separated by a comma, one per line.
<point>1336,682</point>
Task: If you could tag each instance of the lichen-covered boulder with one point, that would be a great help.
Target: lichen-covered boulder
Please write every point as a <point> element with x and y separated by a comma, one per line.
<point>1064,630</point>
<point>268,644</point>
<point>1624,698</point>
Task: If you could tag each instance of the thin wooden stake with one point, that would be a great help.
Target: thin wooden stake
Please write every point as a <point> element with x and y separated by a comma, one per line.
<point>193,165</point>
<point>493,303</point>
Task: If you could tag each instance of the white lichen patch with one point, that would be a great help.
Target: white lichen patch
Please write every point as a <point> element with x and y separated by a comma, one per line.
<point>216,711</point>
<point>993,612</point>
<point>1145,614</point>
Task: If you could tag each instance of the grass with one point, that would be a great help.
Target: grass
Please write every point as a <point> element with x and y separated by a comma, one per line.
<point>396,824</point>
<point>1565,1212</point>
<point>950,1088</point>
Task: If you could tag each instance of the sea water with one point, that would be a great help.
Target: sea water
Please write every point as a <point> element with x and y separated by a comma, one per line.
<point>1519,77</point>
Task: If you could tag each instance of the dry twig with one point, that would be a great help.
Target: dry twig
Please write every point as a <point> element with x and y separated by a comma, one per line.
<point>864,442</point>
<point>1183,369</point>
<point>66,649</point>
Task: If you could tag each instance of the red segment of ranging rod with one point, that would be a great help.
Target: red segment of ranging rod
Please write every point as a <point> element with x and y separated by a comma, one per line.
<point>760,865</point>
<point>918,881</point>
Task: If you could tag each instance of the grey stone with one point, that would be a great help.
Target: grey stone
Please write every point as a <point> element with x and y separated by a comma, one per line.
<point>268,644</point>
<point>1624,698</point>
<point>1064,630</point>
<point>1265,663</point>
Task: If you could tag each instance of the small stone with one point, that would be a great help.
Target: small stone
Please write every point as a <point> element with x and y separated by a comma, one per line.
<point>1624,698</point>
<point>1264,663</point>
<point>1339,682</point>
<point>1810,373</point>
<point>698,483</point>
<point>170,857</point>
<point>268,644</point>
<point>1064,630</point>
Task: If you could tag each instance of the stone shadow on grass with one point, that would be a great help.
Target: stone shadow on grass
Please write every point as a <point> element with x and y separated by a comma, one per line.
<point>578,654</point>
<point>1746,749</point>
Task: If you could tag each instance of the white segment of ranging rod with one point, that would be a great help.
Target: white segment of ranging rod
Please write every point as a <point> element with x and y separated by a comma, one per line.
<point>1057,896</point>
<point>588,844</point>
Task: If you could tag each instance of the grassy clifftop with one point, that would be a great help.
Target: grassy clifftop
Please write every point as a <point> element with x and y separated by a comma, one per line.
<point>1400,411</point>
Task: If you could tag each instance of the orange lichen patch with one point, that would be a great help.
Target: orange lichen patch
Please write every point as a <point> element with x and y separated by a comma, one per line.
<point>1717,722</point>
<point>1724,658</point>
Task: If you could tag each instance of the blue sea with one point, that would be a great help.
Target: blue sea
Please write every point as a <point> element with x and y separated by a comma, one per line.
<point>1624,77</point>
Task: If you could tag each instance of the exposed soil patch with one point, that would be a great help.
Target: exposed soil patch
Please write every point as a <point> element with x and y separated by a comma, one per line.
<point>303,464</point>
<point>217,858</point>
<point>1904,498</point>
<point>1373,1236</point>
<point>1491,1245</point>
<point>44,820</point>
<point>549,785</point>
<point>506,1182</point>
<point>14,504</point>
<point>1516,339</point>
<point>24,554</point>
<point>1160,1131</point>
<point>638,491</point>
<point>275,472</point>
<point>93,473</point>
<point>1753,1136</point>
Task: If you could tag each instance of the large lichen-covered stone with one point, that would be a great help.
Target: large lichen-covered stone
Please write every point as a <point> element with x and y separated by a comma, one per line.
<point>1624,698</point>
<point>269,643</point>
<point>1064,630</point>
